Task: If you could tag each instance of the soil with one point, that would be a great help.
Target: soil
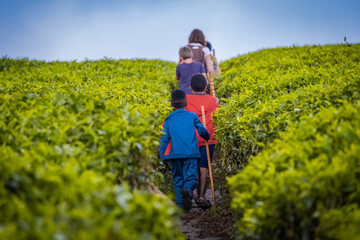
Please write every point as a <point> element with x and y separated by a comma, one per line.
<point>215,223</point>
<point>212,224</point>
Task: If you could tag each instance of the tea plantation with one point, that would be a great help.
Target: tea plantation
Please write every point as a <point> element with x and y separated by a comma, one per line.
<point>299,107</point>
<point>79,140</point>
<point>78,143</point>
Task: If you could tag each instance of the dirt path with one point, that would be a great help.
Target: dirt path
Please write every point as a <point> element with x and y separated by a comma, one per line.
<point>210,224</point>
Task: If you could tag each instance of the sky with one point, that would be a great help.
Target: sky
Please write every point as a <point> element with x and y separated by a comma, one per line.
<point>68,30</point>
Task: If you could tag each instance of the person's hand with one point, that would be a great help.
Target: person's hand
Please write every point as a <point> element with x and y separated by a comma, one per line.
<point>180,60</point>
<point>217,100</point>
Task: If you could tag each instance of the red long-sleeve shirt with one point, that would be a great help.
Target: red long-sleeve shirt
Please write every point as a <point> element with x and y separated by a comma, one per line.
<point>194,103</point>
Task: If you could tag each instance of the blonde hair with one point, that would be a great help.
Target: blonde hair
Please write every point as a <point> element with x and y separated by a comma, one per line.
<point>185,52</point>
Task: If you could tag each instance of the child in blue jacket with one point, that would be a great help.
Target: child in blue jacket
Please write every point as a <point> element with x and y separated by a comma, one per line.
<point>180,148</point>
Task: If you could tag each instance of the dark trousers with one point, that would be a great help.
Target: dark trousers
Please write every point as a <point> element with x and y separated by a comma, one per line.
<point>203,163</point>
<point>184,172</point>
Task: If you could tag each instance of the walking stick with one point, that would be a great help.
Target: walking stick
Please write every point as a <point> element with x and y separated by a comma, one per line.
<point>208,157</point>
<point>211,77</point>
<point>212,89</point>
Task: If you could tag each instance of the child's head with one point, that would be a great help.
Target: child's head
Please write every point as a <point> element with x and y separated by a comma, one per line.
<point>178,99</point>
<point>185,52</point>
<point>197,36</point>
<point>198,83</point>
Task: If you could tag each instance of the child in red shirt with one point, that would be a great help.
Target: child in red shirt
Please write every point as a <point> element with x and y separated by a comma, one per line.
<point>195,101</point>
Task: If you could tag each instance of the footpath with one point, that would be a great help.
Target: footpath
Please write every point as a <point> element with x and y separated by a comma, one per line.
<point>210,224</point>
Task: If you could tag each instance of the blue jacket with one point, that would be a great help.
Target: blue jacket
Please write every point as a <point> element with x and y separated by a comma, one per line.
<point>180,135</point>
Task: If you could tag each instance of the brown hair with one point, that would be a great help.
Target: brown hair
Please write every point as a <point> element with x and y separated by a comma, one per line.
<point>197,36</point>
<point>185,52</point>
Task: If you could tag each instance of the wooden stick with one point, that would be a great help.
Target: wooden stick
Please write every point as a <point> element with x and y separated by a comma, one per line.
<point>208,157</point>
<point>211,79</point>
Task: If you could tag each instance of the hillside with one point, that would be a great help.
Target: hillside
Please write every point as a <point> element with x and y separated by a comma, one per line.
<point>79,140</point>
<point>299,107</point>
<point>77,148</point>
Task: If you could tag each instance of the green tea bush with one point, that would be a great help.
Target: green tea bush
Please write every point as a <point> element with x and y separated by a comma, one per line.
<point>291,116</point>
<point>62,201</point>
<point>78,145</point>
<point>306,185</point>
<point>265,91</point>
<point>106,114</point>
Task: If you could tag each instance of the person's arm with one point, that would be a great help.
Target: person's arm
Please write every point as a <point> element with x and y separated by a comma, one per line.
<point>180,60</point>
<point>203,72</point>
<point>201,129</point>
<point>207,80</point>
<point>177,74</point>
<point>164,140</point>
<point>209,63</point>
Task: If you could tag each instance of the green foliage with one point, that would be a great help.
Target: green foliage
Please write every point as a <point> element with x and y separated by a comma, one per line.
<point>305,185</point>
<point>106,114</point>
<point>266,90</point>
<point>69,133</point>
<point>65,202</point>
<point>342,223</point>
<point>292,117</point>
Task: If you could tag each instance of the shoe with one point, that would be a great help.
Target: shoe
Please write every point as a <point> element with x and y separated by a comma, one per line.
<point>186,199</point>
<point>203,203</point>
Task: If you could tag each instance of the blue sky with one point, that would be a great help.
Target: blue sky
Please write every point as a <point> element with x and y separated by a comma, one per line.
<point>79,29</point>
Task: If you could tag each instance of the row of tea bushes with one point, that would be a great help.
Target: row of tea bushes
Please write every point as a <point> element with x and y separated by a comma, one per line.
<point>306,185</point>
<point>60,200</point>
<point>266,90</point>
<point>291,116</point>
<point>78,144</point>
<point>60,110</point>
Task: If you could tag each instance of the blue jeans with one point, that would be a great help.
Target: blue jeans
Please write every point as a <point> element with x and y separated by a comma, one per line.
<point>184,172</point>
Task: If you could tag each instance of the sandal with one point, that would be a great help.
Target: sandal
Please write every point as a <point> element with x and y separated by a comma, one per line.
<point>203,203</point>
